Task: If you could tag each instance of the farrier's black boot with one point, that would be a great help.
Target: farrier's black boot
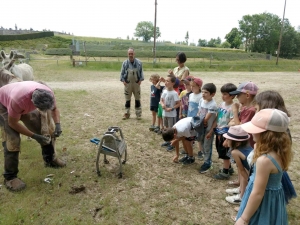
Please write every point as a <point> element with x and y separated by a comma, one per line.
<point>11,163</point>
<point>50,158</point>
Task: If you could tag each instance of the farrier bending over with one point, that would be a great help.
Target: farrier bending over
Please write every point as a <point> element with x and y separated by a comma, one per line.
<point>34,104</point>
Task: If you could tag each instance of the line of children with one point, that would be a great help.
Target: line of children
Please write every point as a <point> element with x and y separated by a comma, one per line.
<point>236,139</point>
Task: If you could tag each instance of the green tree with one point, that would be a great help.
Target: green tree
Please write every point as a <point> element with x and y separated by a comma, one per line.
<point>260,32</point>
<point>225,44</point>
<point>145,30</point>
<point>202,43</point>
<point>290,43</point>
<point>187,38</point>
<point>234,38</point>
<point>212,43</point>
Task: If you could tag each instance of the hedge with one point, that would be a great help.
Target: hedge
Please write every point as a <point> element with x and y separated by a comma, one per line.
<point>26,36</point>
<point>58,51</point>
<point>172,54</point>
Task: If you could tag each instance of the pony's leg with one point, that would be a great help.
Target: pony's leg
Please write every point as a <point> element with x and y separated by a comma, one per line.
<point>42,123</point>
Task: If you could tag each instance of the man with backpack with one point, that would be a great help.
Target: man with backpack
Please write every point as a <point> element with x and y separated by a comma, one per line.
<point>132,76</point>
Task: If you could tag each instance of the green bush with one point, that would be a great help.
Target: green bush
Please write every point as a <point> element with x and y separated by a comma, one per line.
<point>26,36</point>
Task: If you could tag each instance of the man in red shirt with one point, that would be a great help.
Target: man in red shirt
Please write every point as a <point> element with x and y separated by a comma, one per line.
<point>29,102</point>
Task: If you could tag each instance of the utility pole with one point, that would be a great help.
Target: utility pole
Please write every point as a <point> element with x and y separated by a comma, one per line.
<point>154,44</point>
<point>278,50</point>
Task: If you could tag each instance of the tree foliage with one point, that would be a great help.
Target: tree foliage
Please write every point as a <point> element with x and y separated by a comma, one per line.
<point>225,44</point>
<point>187,38</point>
<point>214,42</point>
<point>145,30</point>
<point>261,33</point>
<point>234,38</point>
<point>202,42</point>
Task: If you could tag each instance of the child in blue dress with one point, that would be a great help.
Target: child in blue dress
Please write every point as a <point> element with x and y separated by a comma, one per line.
<point>273,100</point>
<point>264,201</point>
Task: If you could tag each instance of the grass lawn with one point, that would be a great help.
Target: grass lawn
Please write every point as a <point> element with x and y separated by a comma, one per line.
<point>153,190</point>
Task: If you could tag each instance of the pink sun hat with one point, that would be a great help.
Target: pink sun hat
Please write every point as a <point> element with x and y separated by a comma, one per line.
<point>267,119</point>
<point>236,133</point>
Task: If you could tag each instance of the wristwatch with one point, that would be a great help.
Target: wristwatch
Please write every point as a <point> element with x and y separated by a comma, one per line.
<point>172,109</point>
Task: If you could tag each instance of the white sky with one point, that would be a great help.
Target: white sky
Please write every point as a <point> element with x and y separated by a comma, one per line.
<point>203,19</point>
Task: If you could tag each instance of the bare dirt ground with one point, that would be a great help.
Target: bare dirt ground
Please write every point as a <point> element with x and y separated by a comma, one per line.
<point>164,192</point>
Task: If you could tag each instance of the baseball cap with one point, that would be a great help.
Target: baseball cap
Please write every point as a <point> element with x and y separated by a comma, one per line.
<point>198,81</point>
<point>267,119</point>
<point>246,87</point>
<point>236,133</point>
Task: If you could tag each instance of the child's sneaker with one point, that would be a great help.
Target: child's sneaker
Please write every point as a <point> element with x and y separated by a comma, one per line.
<point>233,191</point>
<point>222,176</point>
<point>200,155</point>
<point>170,148</point>
<point>189,160</point>
<point>230,171</point>
<point>235,199</point>
<point>183,159</point>
<point>205,167</point>
<point>156,129</point>
<point>151,128</point>
<point>165,144</point>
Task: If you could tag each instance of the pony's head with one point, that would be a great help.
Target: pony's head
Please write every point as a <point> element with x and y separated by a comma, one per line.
<point>6,59</point>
